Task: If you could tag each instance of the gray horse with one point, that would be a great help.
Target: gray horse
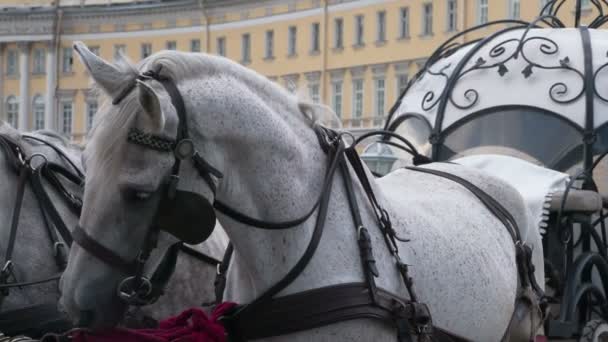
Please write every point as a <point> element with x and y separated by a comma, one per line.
<point>34,253</point>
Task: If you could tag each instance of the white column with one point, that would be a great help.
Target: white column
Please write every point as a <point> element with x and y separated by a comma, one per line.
<point>51,81</point>
<point>24,85</point>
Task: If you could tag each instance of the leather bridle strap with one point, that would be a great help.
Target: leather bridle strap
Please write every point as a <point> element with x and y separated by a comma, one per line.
<point>312,245</point>
<point>101,252</point>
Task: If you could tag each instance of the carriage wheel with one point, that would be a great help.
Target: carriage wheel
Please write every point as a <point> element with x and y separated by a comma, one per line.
<point>595,331</point>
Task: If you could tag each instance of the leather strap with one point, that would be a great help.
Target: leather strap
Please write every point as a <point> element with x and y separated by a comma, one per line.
<point>199,255</point>
<point>320,307</point>
<point>220,278</point>
<point>102,252</point>
<point>490,203</point>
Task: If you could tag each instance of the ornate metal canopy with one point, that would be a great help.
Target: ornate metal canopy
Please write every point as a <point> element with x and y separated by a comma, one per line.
<point>536,87</point>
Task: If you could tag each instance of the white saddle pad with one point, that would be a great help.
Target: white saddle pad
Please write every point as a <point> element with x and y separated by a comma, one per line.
<point>536,184</point>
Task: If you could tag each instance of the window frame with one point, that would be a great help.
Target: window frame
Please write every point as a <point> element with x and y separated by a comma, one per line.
<point>69,120</point>
<point>483,12</point>
<point>269,44</point>
<point>38,109</point>
<point>67,60</point>
<point>337,97</point>
<point>427,19</point>
<point>246,48</point>
<point>404,23</point>
<point>359,30</point>
<point>292,40</point>
<point>315,35</point>
<point>451,15</point>
<point>39,61</point>
<point>338,33</point>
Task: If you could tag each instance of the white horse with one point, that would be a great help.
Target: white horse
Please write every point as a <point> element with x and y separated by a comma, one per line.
<point>33,254</point>
<point>261,139</point>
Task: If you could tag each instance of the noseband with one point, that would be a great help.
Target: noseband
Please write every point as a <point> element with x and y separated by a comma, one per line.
<point>138,289</point>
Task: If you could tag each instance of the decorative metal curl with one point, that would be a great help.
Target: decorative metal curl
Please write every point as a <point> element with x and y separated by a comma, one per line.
<point>595,87</point>
<point>558,90</point>
<point>471,95</point>
<point>430,100</point>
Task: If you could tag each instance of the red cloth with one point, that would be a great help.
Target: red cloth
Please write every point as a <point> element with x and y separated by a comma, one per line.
<point>192,325</point>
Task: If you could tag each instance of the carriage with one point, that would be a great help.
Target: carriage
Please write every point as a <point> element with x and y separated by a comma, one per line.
<point>536,91</point>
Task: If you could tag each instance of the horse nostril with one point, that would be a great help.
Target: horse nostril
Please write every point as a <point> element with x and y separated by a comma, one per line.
<point>85,318</point>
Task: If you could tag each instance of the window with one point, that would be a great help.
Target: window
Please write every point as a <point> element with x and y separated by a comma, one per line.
<point>482,11</point>
<point>12,111</point>
<point>401,83</point>
<point>195,45</point>
<point>67,61</point>
<point>357,100</point>
<point>381,26</point>
<point>66,116</point>
<point>118,50</point>
<point>514,9</point>
<point>221,46</point>
<point>359,30</point>
<point>338,33</point>
<point>314,37</point>
<point>291,48</point>
<point>313,90</point>
<point>39,61</point>
<point>12,63</point>
<point>38,107</point>
<point>246,48</point>
<point>452,16</point>
<point>171,45</point>
<point>91,110</point>
<point>427,19</point>
<point>585,3</point>
<point>337,98</point>
<point>269,44</point>
<point>146,50</point>
<point>94,50</point>
<point>379,97</point>
<point>404,22</point>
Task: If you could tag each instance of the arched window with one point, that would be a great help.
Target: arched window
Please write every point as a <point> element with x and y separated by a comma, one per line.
<point>38,107</point>
<point>12,111</point>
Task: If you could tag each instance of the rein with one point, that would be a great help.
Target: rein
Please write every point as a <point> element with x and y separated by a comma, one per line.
<point>22,165</point>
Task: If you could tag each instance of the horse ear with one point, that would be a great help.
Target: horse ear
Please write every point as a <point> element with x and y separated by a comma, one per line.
<point>148,99</point>
<point>108,76</point>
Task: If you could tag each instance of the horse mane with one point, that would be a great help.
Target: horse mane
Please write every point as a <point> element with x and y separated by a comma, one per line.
<point>109,131</point>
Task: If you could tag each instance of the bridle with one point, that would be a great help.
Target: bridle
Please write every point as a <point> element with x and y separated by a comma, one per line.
<point>138,289</point>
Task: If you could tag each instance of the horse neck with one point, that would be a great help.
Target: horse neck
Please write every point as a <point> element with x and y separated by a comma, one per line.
<point>273,170</point>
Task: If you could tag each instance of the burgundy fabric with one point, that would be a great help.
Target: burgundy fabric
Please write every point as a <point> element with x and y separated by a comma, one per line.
<point>192,325</point>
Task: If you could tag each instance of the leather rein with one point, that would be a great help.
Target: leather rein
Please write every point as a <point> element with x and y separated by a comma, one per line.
<point>22,165</point>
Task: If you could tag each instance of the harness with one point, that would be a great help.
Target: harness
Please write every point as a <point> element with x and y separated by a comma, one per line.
<point>268,315</point>
<point>35,319</point>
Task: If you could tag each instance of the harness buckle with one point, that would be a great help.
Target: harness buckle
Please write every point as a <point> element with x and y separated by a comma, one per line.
<point>135,291</point>
<point>57,246</point>
<point>184,149</point>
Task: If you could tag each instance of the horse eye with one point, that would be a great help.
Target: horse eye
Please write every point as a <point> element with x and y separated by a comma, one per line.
<point>143,195</point>
<point>133,194</point>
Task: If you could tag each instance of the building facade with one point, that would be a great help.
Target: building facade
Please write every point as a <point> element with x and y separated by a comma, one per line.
<point>354,55</point>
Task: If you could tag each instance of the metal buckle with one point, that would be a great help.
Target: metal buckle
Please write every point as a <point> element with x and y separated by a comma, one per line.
<point>29,160</point>
<point>7,266</point>
<point>184,149</point>
<point>56,246</point>
<point>127,292</point>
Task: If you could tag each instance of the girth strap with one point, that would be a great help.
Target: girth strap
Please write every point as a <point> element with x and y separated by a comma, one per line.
<point>324,306</point>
